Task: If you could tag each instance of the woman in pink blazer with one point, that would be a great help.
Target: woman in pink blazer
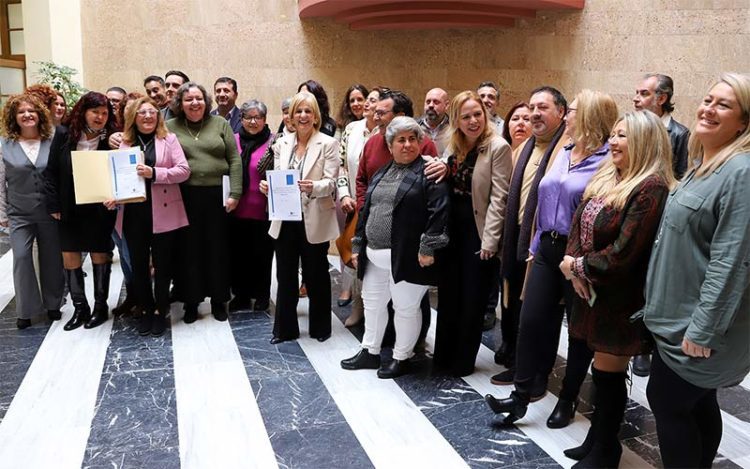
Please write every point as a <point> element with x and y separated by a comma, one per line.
<point>151,226</point>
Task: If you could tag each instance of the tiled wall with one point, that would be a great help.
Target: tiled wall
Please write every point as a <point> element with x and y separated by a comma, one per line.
<point>264,45</point>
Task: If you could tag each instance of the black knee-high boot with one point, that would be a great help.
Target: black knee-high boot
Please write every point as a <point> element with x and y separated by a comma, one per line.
<point>101,292</point>
<point>611,398</point>
<point>82,313</point>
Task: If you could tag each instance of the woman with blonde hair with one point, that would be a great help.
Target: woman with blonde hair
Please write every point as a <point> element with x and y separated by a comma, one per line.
<point>151,226</point>
<point>608,250</point>
<point>316,156</point>
<point>698,285</point>
<point>480,165</point>
<point>589,121</point>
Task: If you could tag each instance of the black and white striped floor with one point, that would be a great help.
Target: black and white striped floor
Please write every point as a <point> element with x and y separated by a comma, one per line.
<point>218,395</point>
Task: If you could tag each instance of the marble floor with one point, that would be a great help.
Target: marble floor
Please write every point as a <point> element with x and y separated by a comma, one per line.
<point>219,395</point>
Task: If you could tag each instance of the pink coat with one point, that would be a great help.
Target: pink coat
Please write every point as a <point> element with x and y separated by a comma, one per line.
<point>171,169</point>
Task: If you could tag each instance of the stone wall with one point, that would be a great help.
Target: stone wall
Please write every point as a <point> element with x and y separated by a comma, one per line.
<point>265,46</point>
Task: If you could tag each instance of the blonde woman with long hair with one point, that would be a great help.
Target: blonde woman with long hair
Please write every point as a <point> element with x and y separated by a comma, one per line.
<point>698,287</point>
<point>480,166</point>
<point>607,255</point>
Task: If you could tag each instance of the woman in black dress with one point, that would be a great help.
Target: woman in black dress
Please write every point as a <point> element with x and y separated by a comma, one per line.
<point>85,227</point>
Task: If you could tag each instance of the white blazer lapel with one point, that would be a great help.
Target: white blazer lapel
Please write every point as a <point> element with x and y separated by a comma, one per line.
<point>314,148</point>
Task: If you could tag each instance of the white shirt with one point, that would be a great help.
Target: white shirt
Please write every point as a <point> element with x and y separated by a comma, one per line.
<point>31,148</point>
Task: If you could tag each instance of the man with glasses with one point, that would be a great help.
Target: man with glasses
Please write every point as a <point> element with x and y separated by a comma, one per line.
<point>225,93</point>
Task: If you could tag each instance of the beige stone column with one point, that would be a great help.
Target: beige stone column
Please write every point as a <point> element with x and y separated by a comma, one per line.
<point>52,32</point>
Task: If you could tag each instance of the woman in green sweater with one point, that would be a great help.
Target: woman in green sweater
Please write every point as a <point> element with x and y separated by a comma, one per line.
<point>698,285</point>
<point>211,151</point>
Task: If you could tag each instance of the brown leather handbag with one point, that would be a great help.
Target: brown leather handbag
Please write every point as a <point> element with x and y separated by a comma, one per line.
<point>344,241</point>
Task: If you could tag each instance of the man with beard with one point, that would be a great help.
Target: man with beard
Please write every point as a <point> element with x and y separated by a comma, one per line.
<point>654,93</point>
<point>225,94</point>
<point>434,121</point>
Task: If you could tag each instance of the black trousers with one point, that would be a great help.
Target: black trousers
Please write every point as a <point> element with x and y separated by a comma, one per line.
<point>252,257</point>
<point>688,418</point>
<point>541,320</point>
<point>291,247</point>
<point>146,247</point>
<point>463,288</point>
<point>510,317</point>
<point>206,250</point>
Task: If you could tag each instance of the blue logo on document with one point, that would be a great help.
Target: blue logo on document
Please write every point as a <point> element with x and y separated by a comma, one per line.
<point>289,179</point>
<point>132,159</point>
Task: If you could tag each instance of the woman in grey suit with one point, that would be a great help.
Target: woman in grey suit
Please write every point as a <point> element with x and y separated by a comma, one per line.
<point>27,131</point>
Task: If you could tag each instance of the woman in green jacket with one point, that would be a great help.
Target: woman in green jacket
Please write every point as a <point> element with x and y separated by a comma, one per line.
<point>698,286</point>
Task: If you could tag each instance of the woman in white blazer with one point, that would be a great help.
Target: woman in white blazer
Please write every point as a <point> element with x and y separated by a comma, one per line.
<point>315,156</point>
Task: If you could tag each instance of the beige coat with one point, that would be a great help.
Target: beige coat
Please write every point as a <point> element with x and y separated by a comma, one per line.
<point>489,191</point>
<point>322,167</point>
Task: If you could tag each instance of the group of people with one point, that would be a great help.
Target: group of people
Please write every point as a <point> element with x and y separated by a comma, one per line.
<point>559,209</point>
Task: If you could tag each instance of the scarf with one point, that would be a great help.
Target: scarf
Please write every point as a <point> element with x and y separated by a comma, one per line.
<point>249,143</point>
<point>516,242</point>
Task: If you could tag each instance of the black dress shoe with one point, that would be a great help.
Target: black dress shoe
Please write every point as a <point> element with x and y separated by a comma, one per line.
<point>98,317</point>
<point>642,365</point>
<point>514,405</point>
<point>504,378</point>
<point>261,305</point>
<point>54,314</point>
<point>277,340</point>
<point>394,369</point>
<point>323,338</point>
<point>562,414</point>
<point>345,302</point>
<point>23,323</point>
<point>191,313</point>
<point>363,360</point>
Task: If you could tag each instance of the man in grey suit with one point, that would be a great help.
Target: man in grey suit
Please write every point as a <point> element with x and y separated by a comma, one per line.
<point>654,93</point>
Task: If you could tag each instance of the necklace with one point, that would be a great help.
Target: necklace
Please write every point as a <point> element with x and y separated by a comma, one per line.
<point>195,136</point>
<point>144,145</point>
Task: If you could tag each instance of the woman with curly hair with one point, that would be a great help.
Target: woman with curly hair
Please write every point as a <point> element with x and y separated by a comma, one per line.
<point>25,149</point>
<point>84,227</point>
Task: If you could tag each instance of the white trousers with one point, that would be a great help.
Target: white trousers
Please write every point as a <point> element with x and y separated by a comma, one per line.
<point>377,289</point>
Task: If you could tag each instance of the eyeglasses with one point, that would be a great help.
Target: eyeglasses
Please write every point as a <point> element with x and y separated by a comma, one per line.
<point>147,112</point>
<point>253,118</point>
<point>380,113</point>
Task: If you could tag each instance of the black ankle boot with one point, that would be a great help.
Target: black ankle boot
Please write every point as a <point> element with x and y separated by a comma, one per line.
<point>101,293</point>
<point>159,324</point>
<point>82,312</point>
<point>219,310</point>
<point>515,405</point>
<point>562,414</point>
<point>611,397</point>
<point>363,360</point>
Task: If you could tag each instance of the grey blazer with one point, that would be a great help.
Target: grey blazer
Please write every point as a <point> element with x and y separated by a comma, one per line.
<point>24,182</point>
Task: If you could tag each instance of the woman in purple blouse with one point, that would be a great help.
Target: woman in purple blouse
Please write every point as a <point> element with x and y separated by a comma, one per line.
<point>248,230</point>
<point>590,117</point>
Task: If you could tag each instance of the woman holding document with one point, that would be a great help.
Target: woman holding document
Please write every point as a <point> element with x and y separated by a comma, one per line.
<point>151,226</point>
<point>85,227</point>
<point>211,152</point>
<point>24,153</point>
<point>315,156</point>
